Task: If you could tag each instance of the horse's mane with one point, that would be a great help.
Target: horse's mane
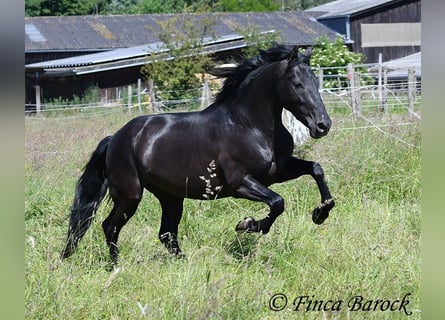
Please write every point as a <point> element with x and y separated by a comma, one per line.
<point>239,75</point>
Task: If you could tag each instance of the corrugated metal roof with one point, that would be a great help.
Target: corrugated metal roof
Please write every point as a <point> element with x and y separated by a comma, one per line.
<point>345,7</point>
<point>96,58</point>
<point>86,33</point>
<point>398,68</point>
<point>124,57</point>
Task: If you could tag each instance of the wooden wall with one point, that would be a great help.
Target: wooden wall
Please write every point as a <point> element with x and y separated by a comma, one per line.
<point>408,12</point>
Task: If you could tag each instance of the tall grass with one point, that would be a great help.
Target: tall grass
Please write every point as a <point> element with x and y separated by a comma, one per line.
<point>369,246</point>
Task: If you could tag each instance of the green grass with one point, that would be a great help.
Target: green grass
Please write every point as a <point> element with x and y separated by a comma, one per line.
<point>369,246</point>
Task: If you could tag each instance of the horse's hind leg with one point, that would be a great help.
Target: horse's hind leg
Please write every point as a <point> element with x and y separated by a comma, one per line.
<point>125,206</point>
<point>171,216</point>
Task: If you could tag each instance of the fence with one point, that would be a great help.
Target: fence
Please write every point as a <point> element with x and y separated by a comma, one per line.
<point>352,91</point>
<point>144,98</point>
<point>352,85</point>
<point>368,89</point>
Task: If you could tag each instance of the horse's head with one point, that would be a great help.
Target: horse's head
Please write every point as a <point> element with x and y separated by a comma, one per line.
<point>298,93</point>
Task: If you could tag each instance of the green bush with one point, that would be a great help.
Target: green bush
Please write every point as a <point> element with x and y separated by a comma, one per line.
<point>335,56</point>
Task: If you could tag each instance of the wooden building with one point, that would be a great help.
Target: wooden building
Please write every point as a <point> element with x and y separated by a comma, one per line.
<point>390,27</point>
<point>66,55</point>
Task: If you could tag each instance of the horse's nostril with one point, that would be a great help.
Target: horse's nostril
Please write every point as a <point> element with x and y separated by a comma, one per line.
<point>322,127</point>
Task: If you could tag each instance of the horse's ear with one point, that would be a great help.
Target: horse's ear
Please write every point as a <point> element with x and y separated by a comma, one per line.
<point>293,54</point>
<point>307,55</point>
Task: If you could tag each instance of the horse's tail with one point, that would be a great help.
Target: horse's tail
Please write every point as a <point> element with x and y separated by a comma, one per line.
<point>90,191</point>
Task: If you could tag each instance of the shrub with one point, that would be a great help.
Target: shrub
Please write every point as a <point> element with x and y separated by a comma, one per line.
<point>336,56</point>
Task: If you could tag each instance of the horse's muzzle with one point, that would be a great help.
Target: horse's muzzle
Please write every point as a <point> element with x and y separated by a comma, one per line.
<point>321,129</point>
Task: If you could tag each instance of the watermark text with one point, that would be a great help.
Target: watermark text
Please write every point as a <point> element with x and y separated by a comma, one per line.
<point>306,303</point>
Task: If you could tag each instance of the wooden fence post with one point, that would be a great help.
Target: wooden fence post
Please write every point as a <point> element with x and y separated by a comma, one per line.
<point>411,90</point>
<point>354,91</point>
<point>385,90</point>
<point>339,83</point>
<point>349,75</point>
<point>380,87</point>
<point>106,95</point>
<point>151,93</point>
<point>129,98</point>
<point>357,95</point>
<point>206,97</point>
<point>38,101</point>
<point>139,95</point>
<point>320,78</point>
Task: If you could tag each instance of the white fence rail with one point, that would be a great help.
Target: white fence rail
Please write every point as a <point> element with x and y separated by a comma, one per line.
<point>355,99</point>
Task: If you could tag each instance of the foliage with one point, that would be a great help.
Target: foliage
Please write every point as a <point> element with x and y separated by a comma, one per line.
<point>335,56</point>
<point>161,6</point>
<point>182,66</point>
<point>85,7</point>
<point>33,8</point>
<point>255,40</point>
<point>246,5</point>
<point>63,7</point>
<point>91,95</point>
<point>122,7</point>
<point>290,5</point>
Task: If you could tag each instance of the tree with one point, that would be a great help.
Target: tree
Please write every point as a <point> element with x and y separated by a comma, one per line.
<point>121,7</point>
<point>161,6</point>
<point>299,5</point>
<point>32,8</point>
<point>246,5</point>
<point>85,7</point>
<point>181,69</point>
<point>63,7</point>
<point>256,40</point>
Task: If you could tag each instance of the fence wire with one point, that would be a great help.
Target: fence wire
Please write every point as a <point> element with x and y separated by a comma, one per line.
<point>338,97</point>
<point>402,96</point>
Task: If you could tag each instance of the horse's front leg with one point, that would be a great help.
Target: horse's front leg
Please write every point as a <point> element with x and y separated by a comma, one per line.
<point>253,190</point>
<point>295,168</point>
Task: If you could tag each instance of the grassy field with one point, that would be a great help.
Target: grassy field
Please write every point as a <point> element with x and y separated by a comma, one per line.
<point>369,247</point>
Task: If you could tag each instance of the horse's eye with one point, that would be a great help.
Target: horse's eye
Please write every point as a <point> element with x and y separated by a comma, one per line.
<point>298,85</point>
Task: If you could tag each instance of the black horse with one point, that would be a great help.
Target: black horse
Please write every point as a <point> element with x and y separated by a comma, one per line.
<point>236,147</point>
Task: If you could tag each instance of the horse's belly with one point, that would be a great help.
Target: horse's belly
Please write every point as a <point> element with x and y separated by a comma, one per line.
<point>181,184</point>
<point>184,170</point>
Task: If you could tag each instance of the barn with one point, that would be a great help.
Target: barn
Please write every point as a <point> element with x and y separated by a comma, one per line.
<point>66,55</point>
<point>390,27</point>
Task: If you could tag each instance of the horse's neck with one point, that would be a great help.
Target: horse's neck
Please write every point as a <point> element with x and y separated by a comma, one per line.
<point>257,106</point>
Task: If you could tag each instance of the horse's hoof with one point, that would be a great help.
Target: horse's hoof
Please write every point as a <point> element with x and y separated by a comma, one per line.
<point>177,253</point>
<point>111,266</point>
<point>247,225</point>
<point>321,212</point>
